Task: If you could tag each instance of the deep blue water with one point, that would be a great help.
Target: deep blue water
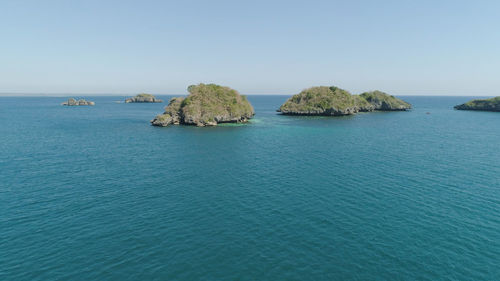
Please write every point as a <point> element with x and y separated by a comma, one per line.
<point>96,193</point>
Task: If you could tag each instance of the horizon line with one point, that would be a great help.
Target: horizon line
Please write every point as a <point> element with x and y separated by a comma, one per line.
<point>185,94</point>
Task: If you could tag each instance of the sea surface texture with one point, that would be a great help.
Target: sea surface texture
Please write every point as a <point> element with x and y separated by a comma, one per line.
<point>96,193</point>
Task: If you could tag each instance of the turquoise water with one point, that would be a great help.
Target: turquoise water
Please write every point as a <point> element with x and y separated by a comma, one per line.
<point>95,193</point>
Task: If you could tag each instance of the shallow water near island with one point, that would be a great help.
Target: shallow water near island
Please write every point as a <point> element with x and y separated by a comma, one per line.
<point>97,193</point>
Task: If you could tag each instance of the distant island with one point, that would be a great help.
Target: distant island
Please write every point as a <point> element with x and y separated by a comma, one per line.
<point>333,101</point>
<point>206,105</point>
<point>74,102</point>
<point>380,101</point>
<point>492,104</point>
<point>140,98</point>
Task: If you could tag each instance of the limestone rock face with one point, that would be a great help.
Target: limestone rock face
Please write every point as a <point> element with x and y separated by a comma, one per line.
<point>172,114</point>
<point>73,102</point>
<point>206,105</point>
<point>492,104</point>
<point>333,101</point>
<point>141,98</point>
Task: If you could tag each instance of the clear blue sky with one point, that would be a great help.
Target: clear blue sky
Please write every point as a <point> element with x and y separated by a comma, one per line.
<point>257,47</point>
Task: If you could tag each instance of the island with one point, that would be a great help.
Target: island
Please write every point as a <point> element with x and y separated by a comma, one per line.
<point>141,98</point>
<point>380,101</point>
<point>74,102</point>
<point>206,105</point>
<point>492,104</point>
<point>334,101</point>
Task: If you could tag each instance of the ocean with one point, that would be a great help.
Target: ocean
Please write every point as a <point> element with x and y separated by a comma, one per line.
<point>96,193</point>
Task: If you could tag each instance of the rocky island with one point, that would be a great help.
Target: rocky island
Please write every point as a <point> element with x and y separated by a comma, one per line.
<point>73,102</point>
<point>206,105</point>
<point>333,101</point>
<point>143,98</point>
<point>381,101</point>
<point>492,104</point>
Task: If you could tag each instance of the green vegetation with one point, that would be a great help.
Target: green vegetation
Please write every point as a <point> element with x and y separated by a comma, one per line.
<point>174,105</point>
<point>362,104</point>
<point>492,104</point>
<point>74,102</point>
<point>143,97</point>
<point>335,101</point>
<point>320,101</point>
<point>208,104</point>
<point>384,102</point>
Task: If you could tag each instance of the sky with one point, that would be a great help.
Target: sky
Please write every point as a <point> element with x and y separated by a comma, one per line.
<point>256,47</point>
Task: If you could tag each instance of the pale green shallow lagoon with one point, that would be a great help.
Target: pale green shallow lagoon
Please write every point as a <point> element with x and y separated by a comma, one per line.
<point>96,193</point>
